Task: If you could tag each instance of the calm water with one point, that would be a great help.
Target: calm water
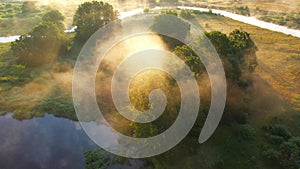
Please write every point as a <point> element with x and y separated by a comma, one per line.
<point>42,143</point>
<point>47,143</point>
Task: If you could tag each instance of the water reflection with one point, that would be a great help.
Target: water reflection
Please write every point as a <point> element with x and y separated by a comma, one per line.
<point>47,142</point>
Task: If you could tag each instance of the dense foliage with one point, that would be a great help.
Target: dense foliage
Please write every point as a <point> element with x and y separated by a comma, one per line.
<point>168,24</point>
<point>90,16</point>
<point>43,44</point>
<point>28,6</point>
<point>284,147</point>
<point>237,52</point>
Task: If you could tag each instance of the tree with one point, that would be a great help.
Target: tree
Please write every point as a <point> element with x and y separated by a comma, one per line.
<point>287,151</point>
<point>241,39</point>
<point>28,6</point>
<point>237,52</point>
<point>220,41</point>
<point>190,59</point>
<point>245,48</point>
<point>43,44</point>
<point>171,25</point>
<point>54,16</point>
<point>90,16</point>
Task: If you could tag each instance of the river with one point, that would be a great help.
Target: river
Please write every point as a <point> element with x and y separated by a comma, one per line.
<point>42,143</point>
<point>47,142</point>
<point>241,18</point>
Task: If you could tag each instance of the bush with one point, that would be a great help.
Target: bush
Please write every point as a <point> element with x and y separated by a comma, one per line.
<point>281,130</point>
<point>245,132</point>
<point>285,148</point>
<point>8,5</point>
<point>271,154</point>
<point>146,10</point>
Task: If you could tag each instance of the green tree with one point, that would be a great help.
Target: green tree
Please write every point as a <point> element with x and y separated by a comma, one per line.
<point>54,16</point>
<point>190,59</point>
<point>237,52</point>
<point>171,25</point>
<point>90,16</point>
<point>42,45</point>
<point>286,151</point>
<point>241,39</point>
<point>220,41</point>
<point>28,6</point>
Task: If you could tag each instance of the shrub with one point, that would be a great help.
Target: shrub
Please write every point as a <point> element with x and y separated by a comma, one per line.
<point>146,10</point>
<point>245,132</point>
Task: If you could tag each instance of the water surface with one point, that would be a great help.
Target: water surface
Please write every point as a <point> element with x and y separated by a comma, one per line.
<point>42,143</point>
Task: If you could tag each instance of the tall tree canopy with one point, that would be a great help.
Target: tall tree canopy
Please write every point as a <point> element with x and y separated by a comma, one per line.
<point>43,44</point>
<point>90,16</point>
<point>28,6</point>
<point>171,25</point>
<point>237,52</point>
<point>54,16</point>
